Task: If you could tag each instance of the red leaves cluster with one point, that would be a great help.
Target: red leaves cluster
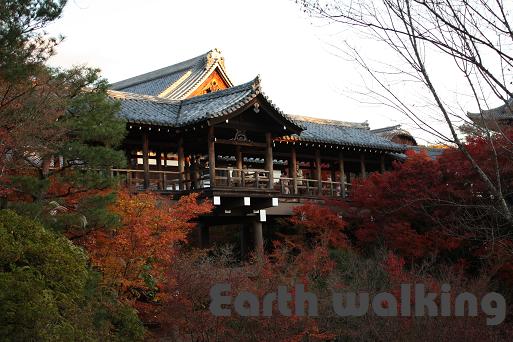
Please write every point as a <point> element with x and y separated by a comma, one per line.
<point>136,257</point>
<point>406,209</point>
<point>442,207</point>
<point>319,224</point>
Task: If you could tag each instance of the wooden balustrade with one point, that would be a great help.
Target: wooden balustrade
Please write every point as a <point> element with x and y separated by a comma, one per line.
<point>244,178</point>
<point>230,178</point>
<point>157,180</point>
<point>310,187</point>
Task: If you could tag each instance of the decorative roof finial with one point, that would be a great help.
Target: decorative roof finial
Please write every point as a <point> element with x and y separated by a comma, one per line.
<point>256,84</point>
<point>213,56</point>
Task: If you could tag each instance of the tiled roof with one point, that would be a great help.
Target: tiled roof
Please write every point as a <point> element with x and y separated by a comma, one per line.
<point>340,133</point>
<point>392,132</point>
<point>504,112</point>
<point>177,113</point>
<point>362,125</point>
<point>177,81</point>
<point>146,109</point>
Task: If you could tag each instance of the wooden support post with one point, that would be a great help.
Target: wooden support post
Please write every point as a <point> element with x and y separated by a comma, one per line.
<point>187,175</point>
<point>164,165</point>
<point>211,156</point>
<point>363,173</point>
<point>238,164</point>
<point>181,165</point>
<point>318,171</point>
<point>259,237</point>
<point>382,163</point>
<point>269,158</point>
<point>342,175</point>
<point>146,163</point>
<point>158,168</point>
<point>293,169</point>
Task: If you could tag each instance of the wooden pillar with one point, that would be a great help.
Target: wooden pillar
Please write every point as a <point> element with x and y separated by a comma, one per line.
<point>238,163</point>
<point>158,166</point>
<point>259,237</point>
<point>269,158</point>
<point>187,175</point>
<point>181,164</point>
<point>342,174</point>
<point>363,173</point>
<point>382,163</point>
<point>146,163</point>
<point>293,169</point>
<point>211,156</point>
<point>318,170</point>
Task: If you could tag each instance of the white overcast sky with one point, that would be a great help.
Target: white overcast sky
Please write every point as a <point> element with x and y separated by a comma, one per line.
<point>272,38</point>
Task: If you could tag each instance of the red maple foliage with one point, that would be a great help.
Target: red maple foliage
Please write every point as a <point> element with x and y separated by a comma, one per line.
<point>318,225</point>
<point>135,258</point>
<point>425,207</point>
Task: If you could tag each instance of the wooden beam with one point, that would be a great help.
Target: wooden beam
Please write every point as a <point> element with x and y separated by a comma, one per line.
<point>318,170</point>
<point>293,169</point>
<point>342,174</point>
<point>301,156</point>
<point>181,164</point>
<point>211,156</point>
<point>363,172</point>
<point>240,143</point>
<point>146,163</point>
<point>269,158</point>
<point>238,161</point>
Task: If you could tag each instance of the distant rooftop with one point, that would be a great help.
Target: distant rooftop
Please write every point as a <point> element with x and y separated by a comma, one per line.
<point>501,113</point>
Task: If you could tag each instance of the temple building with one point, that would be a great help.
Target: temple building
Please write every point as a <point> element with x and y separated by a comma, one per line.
<point>494,118</point>
<point>192,130</point>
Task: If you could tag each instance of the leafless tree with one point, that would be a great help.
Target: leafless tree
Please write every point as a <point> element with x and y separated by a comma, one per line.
<point>472,38</point>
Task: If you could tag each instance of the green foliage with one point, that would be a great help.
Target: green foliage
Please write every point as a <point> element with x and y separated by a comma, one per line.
<point>95,209</point>
<point>23,46</point>
<point>47,292</point>
<point>30,185</point>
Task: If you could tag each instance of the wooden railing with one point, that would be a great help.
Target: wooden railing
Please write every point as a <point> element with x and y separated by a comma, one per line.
<point>310,187</point>
<point>242,178</point>
<point>157,180</point>
<point>229,178</point>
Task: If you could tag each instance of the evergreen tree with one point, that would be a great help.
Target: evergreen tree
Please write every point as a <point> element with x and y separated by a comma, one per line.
<point>58,128</point>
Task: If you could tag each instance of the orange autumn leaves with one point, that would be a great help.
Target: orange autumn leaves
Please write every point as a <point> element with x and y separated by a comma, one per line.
<point>135,257</point>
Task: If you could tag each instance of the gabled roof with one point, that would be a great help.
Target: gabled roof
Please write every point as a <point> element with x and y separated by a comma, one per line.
<point>504,112</point>
<point>176,81</point>
<point>341,133</point>
<point>154,110</point>
<point>394,132</point>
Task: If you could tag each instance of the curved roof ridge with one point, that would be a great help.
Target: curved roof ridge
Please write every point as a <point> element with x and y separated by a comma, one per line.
<point>349,124</point>
<point>386,129</point>
<point>123,95</point>
<point>504,111</point>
